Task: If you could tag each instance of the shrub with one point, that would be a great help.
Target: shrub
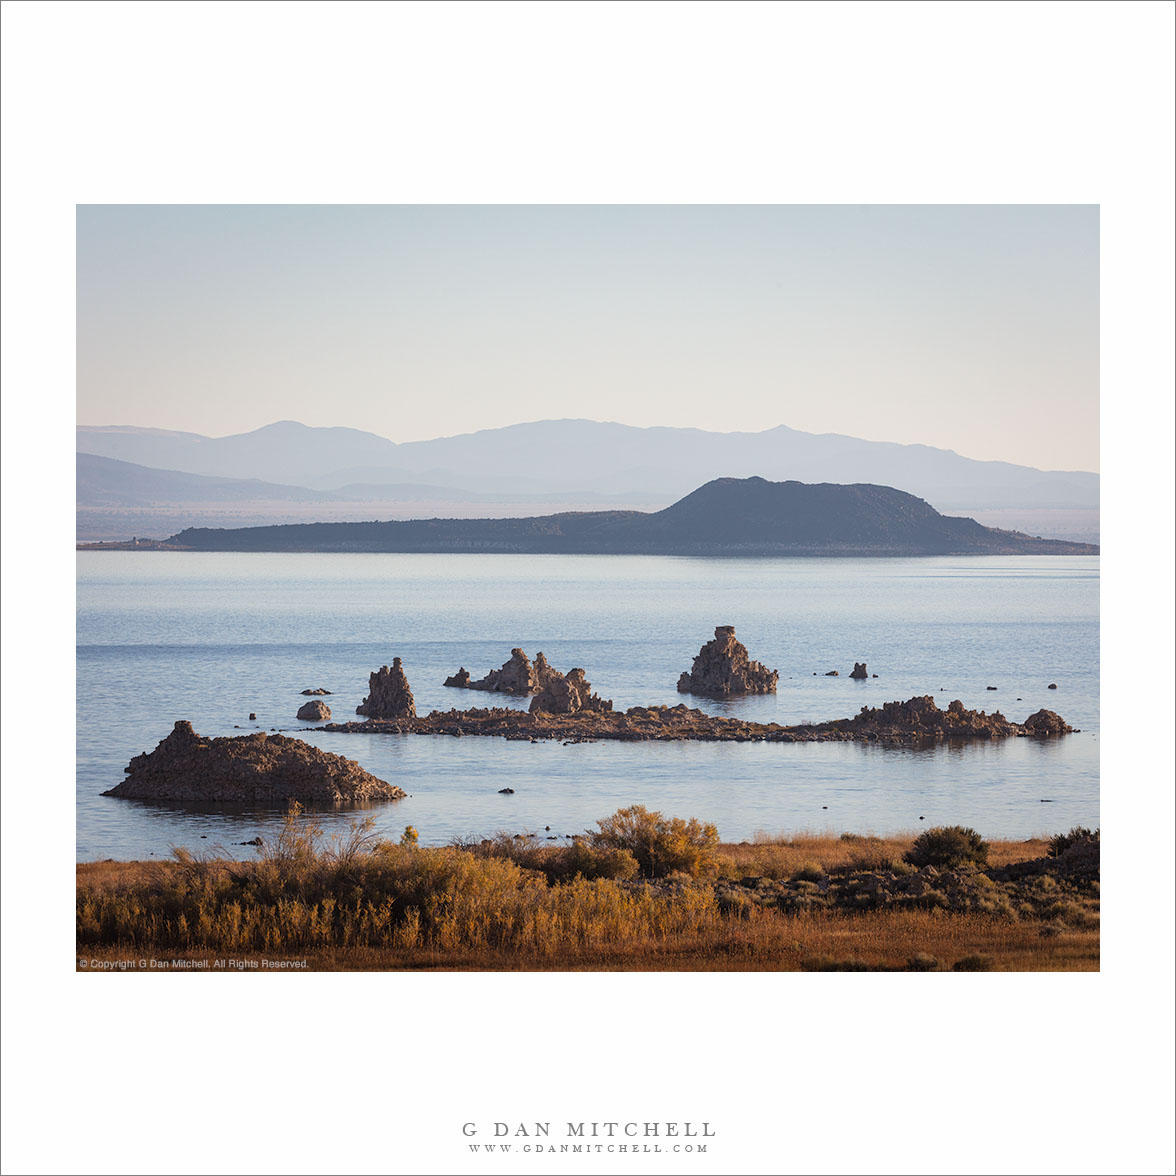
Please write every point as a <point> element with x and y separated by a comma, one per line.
<point>558,863</point>
<point>808,872</point>
<point>948,845</point>
<point>873,861</point>
<point>410,836</point>
<point>598,861</point>
<point>973,963</point>
<point>1059,844</point>
<point>661,845</point>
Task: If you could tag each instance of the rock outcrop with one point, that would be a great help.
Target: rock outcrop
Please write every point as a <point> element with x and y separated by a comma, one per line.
<point>314,711</point>
<point>389,696</point>
<point>897,724</point>
<point>859,670</point>
<point>921,718</point>
<point>516,676</point>
<point>1047,722</point>
<point>248,769</point>
<point>723,669</point>
<point>567,694</point>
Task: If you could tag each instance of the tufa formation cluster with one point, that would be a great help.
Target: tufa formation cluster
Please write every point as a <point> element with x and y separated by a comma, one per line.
<point>389,696</point>
<point>723,669</point>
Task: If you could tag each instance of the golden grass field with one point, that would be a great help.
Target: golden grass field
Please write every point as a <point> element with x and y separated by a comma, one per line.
<point>517,904</point>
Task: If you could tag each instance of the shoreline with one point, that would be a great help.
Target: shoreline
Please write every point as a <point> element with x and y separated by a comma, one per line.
<point>752,552</point>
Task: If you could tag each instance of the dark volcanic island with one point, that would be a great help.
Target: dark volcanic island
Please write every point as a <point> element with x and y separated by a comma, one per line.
<point>729,516</point>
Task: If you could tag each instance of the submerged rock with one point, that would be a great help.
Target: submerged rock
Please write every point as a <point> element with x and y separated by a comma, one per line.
<point>389,696</point>
<point>254,769</point>
<point>859,670</point>
<point>317,690</point>
<point>315,711</point>
<point>568,694</point>
<point>723,669</point>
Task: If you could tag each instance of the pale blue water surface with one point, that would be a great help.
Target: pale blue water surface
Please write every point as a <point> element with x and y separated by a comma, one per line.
<point>211,637</point>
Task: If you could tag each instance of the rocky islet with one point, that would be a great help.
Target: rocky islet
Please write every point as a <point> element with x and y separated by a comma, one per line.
<point>516,676</point>
<point>723,669</point>
<point>248,769</point>
<point>389,695</point>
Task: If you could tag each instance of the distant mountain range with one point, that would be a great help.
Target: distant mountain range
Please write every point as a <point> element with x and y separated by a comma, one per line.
<point>117,500</point>
<point>106,482</point>
<point>569,459</point>
<point>727,516</point>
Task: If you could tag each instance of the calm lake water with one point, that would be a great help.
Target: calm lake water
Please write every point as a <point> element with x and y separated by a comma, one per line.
<point>211,637</point>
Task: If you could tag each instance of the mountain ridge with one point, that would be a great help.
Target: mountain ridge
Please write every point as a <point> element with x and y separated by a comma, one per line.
<point>575,456</point>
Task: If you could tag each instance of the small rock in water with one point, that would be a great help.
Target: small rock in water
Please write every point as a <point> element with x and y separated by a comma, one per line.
<point>255,841</point>
<point>1046,802</point>
<point>506,792</point>
<point>832,674</point>
<point>314,712</point>
<point>1052,686</point>
<point>252,715</point>
<point>990,688</point>
<point>859,670</point>
<point>317,690</point>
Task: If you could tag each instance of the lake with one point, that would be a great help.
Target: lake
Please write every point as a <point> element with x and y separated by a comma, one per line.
<point>213,637</point>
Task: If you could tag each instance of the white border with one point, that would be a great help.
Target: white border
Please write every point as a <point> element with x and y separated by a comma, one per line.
<point>489,102</point>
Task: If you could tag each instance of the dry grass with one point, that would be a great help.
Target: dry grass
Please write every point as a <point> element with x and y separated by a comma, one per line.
<point>780,856</point>
<point>360,903</point>
<point>880,940</point>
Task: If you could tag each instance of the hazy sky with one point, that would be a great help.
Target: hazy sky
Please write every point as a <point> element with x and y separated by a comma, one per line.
<point>974,328</point>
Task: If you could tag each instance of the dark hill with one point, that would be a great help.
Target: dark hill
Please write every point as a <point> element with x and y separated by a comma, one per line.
<point>729,516</point>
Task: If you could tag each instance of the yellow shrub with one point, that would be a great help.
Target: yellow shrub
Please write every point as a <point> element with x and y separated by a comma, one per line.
<point>661,845</point>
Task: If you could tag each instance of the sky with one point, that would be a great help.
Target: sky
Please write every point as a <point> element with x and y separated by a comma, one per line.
<point>973,328</point>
